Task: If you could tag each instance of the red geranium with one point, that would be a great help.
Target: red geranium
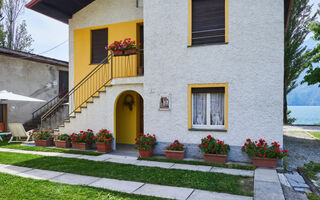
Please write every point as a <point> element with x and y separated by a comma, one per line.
<point>145,142</point>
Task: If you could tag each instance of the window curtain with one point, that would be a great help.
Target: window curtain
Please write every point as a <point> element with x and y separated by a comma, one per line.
<point>217,108</point>
<point>199,108</point>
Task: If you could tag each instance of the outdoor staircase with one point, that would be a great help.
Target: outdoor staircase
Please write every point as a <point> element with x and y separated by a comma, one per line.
<point>88,91</point>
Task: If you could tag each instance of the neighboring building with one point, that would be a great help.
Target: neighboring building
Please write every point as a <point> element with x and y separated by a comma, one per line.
<point>30,75</point>
<point>210,67</point>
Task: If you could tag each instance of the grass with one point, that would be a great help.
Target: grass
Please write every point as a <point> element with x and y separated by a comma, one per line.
<point>192,162</point>
<point>311,169</point>
<point>315,134</point>
<point>312,196</point>
<point>217,182</point>
<point>14,187</point>
<point>7,145</point>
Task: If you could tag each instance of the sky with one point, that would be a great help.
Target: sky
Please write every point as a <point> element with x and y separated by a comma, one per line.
<point>48,33</point>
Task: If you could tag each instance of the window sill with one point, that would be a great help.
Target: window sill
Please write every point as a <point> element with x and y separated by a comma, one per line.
<point>199,129</point>
<point>212,44</point>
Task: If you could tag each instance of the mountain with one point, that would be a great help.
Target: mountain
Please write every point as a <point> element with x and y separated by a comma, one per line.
<point>305,95</point>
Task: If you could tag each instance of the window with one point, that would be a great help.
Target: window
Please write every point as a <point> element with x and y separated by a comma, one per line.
<point>208,106</point>
<point>208,21</point>
<point>99,39</point>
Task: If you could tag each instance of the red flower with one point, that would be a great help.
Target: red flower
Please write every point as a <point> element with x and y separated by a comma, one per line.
<point>206,144</point>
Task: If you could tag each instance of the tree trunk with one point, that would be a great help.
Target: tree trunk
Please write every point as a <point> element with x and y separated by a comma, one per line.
<point>285,105</point>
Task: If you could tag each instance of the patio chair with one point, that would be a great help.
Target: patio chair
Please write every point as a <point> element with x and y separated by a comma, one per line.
<point>17,130</point>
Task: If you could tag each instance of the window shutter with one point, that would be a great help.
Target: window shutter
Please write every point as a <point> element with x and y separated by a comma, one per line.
<point>208,21</point>
<point>208,90</point>
<point>99,39</point>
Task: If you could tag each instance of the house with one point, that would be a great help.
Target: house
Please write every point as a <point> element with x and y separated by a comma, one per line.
<point>29,75</point>
<point>203,67</point>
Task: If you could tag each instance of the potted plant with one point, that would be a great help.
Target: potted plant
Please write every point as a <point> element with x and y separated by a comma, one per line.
<point>129,46</point>
<point>42,138</point>
<point>214,150</point>
<point>62,141</point>
<point>145,145</point>
<point>116,47</point>
<point>104,140</point>
<point>82,140</point>
<point>175,151</point>
<point>262,154</point>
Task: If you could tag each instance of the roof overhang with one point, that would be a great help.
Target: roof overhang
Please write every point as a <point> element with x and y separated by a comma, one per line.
<point>61,10</point>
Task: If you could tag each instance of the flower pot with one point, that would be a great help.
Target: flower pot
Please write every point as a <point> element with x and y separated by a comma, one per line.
<point>43,143</point>
<point>146,153</point>
<point>103,147</point>
<point>265,162</point>
<point>177,155</point>
<point>130,51</point>
<point>216,158</point>
<point>81,146</point>
<point>62,144</point>
<point>117,53</point>
<point>140,70</point>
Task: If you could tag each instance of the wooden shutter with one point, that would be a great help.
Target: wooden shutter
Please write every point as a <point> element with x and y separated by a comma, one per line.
<point>208,21</point>
<point>99,39</point>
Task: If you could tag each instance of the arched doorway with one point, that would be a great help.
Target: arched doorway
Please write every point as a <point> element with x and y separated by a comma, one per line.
<point>129,117</point>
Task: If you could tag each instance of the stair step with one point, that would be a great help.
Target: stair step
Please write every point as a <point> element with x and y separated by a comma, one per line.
<point>95,96</point>
<point>61,126</point>
<point>103,91</point>
<point>66,121</point>
<point>77,111</point>
<point>89,101</point>
<point>83,106</point>
<point>56,129</point>
<point>72,116</point>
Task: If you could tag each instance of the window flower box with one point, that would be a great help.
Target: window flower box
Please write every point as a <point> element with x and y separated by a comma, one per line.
<point>43,143</point>
<point>43,138</point>
<point>125,47</point>
<point>83,140</point>
<point>175,151</point>
<point>214,150</point>
<point>62,141</point>
<point>145,144</point>
<point>81,146</point>
<point>262,154</point>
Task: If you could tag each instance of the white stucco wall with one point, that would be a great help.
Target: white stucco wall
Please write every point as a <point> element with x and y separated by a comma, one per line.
<point>252,64</point>
<point>29,78</point>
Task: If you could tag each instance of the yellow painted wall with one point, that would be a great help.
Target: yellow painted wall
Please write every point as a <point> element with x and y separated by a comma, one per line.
<point>122,66</point>
<point>127,121</point>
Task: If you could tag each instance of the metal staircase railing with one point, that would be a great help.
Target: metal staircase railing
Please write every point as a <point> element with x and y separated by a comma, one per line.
<point>86,89</point>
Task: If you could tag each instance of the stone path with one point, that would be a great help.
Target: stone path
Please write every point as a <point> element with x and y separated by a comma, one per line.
<point>120,185</point>
<point>267,185</point>
<point>133,160</point>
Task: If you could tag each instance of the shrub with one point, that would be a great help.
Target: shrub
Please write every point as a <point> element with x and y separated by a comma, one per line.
<point>83,137</point>
<point>175,146</point>
<point>42,135</point>
<point>209,145</point>
<point>104,136</point>
<point>62,137</point>
<point>263,150</point>
<point>145,142</point>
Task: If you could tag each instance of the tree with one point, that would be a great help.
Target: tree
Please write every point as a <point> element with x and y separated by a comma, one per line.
<point>297,31</point>
<point>16,34</point>
<point>313,73</point>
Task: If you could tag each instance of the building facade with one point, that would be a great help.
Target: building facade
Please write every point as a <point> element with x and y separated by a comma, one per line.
<point>209,67</point>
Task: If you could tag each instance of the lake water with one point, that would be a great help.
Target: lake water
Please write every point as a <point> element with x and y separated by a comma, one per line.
<point>305,114</point>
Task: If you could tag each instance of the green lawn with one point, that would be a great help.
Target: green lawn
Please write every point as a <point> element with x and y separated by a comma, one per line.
<point>312,196</point>
<point>5,144</point>
<point>311,169</point>
<point>14,187</point>
<point>217,182</point>
<point>192,162</point>
<point>315,134</point>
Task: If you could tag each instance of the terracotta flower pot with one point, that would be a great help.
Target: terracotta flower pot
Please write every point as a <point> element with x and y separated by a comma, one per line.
<point>117,53</point>
<point>265,162</point>
<point>177,155</point>
<point>62,144</point>
<point>81,146</point>
<point>103,147</point>
<point>216,158</point>
<point>130,51</point>
<point>146,153</point>
<point>43,143</point>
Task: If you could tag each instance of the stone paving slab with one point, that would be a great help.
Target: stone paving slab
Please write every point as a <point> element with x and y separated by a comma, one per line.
<point>153,164</point>
<point>40,174</point>
<point>237,172</point>
<point>93,158</point>
<point>117,185</point>
<point>13,169</point>
<point>192,167</point>
<point>296,180</point>
<point>74,179</point>
<point>164,191</point>
<point>206,195</point>
<point>264,190</point>
<point>122,161</point>
<point>263,174</point>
